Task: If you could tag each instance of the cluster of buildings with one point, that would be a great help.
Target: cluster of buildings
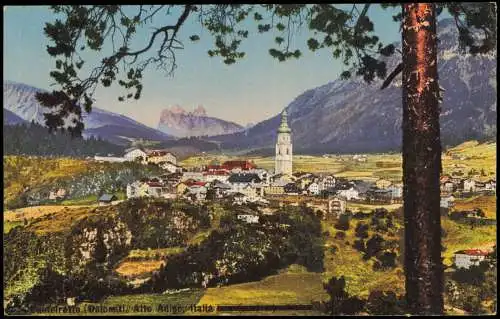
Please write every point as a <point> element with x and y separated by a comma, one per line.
<point>243,182</point>
<point>162,158</point>
<point>451,184</point>
<point>469,257</point>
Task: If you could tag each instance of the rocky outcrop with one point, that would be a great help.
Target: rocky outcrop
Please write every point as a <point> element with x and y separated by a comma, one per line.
<point>178,122</point>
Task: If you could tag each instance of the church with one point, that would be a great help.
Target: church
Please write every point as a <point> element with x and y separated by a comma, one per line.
<point>283,160</point>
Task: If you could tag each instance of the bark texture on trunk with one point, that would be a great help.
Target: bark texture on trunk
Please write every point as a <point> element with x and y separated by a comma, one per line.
<point>421,161</point>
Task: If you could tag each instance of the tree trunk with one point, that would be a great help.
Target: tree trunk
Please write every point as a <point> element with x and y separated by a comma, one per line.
<point>421,161</point>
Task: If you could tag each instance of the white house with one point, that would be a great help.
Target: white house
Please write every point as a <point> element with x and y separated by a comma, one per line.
<point>348,194</point>
<point>197,176</point>
<point>59,194</point>
<point>221,189</point>
<point>313,189</point>
<point>239,199</point>
<point>200,192</point>
<point>135,153</point>
<point>336,206</point>
<point>469,185</point>
<point>155,189</point>
<point>250,219</point>
<point>110,159</point>
<point>490,185</point>
<point>467,258</point>
<point>137,189</point>
<point>396,190</point>
<point>243,182</point>
<point>221,176</point>
<point>158,156</point>
<point>447,187</point>
<point>171,167</point>
<point>326,183</point>
<point>446,202</point>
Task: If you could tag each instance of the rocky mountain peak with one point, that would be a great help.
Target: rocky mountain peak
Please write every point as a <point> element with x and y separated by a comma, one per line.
<point>199,111</point>
<point>178,122</point>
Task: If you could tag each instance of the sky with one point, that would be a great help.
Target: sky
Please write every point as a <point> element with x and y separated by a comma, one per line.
<point>249,91</point>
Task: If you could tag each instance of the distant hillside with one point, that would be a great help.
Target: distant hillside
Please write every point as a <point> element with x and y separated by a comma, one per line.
<point>20,99</point>
<point>35,177</point>
<point>10,118</point>
<point>34,139</point>
<point>178,122</point>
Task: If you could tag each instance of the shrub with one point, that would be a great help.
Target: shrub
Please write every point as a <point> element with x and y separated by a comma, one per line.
<point>359,244</point>
<point>387,260</point>
<point>340,235</point>
<point>361,230</point>
<point>383,303</point>
<point>373,246</point>
<point>334,249</point>
<point>340,302</point>
<point>343,222</point>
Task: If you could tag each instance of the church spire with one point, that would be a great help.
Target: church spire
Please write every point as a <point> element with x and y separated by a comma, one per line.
<point>284,123</point>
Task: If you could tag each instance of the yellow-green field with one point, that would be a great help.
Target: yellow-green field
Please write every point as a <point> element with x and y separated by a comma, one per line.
<point>461,236</point>
<point>142,262</point>
<point>487,203</point>
<point>138,268</point>
<point>294,285</point>
<point>22,171</point>
<point>63,220</point>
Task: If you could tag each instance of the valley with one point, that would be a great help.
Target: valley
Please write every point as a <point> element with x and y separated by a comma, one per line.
<point>145,255</point>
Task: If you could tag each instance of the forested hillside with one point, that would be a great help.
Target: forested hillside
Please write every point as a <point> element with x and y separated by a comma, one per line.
<point>34,139</point>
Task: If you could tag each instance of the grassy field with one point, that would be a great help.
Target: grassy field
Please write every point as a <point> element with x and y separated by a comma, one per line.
<point>388,166</point>
<point>62,220</point>
<point>461,236</point>
<point>21,171</point>
<point>138,268</point>
<point>142,262</point>
<point>487,203</point>
<point>293,285</point>
<point>359,274</point>
<point>7,226</point>
<point>33,212</point>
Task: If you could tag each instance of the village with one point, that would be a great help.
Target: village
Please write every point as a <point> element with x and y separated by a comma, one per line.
<point>242,182</point>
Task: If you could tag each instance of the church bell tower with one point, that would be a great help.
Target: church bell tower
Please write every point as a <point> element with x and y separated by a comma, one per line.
<point>283,160</point>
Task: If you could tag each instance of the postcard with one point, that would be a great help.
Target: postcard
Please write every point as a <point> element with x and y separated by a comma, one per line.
<point>250,159</point>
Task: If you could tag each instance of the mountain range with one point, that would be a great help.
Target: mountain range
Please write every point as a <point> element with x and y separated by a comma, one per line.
<point>178,122</point>
<point>353,116</point>
<point>339,117</point>
<point>19,101</point>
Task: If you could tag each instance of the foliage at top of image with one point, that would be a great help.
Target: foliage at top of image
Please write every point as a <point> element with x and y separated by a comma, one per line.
<point>348,33</point>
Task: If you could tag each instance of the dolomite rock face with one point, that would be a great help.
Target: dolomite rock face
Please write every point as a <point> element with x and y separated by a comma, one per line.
<point>116,239</point>
<point>176,121</point>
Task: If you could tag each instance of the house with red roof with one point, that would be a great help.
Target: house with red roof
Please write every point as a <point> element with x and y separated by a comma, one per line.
<point>469,257</point>
<point>221,175</point>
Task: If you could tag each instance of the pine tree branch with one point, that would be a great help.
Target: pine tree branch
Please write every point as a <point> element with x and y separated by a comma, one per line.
<point>391,76</point>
